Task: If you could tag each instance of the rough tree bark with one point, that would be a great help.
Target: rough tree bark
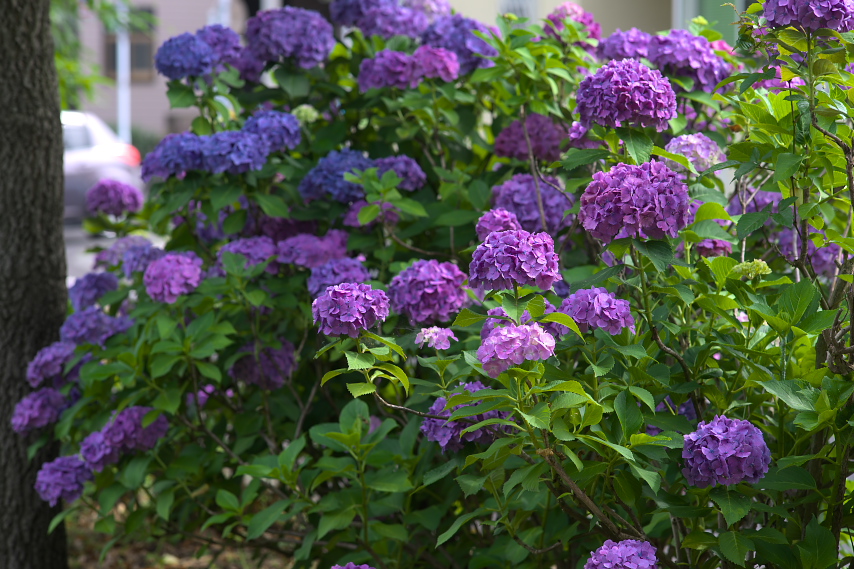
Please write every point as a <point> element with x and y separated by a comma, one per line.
<point>32,266</point>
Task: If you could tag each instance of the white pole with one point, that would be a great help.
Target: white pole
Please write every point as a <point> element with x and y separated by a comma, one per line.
<point>123,120</point>
<point>225,13</point>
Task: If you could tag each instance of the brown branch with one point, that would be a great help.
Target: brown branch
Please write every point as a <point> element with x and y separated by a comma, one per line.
<point>534,550</point>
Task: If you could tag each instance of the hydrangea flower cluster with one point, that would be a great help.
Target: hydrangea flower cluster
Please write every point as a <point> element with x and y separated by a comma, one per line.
<point>410,173</point>
<point>725,451</point>
<point>490,324</point>
<point>545,136</point>
<point>810,15</point>
<point>113,198</point>
<point>173,275</point>
<point>455,33</point>
<point>760,200</point>
<point>123,434</point>
<point>449,434</point>
<point>38,409</point>
<point>137,258</point>
<point>388,215</point>
<point>112,256</point>
<point>633,44</point>
<point>328,177</point>
<point>823,259</point>
<point>388,69</point>
<point>626,93</point>
<point>686,410</point>
<point>62,479</point>
<point>699,149</point>
<point>336,271</point>
<point>512,345</point>
<point>648,201</point>
<point>507,258</point>
<point>428,291</point>
<point>437,63</point>
<point>519,196</point>
<point>291,33</point>
<point>269,369</point>
<point>349,308</point>
<point>431,8</point>
<point>311,251</point>
<point>776,85</point>
<point>598,308</point>
<point>348,12</point>
<point>578,137</point>
<point>626,554</point>
<point>713,248</point>
<point>574,12</point>
<point>435,337</point>
<point>88,289</point>
<point>351,565</point>
<point>255,250</point>
<point>184,55</point>
<point>682,54</point>
<point>497,219</point>
<point>278,131</point>
<point>92,326</point>
<point>388,19</point>
<point>223,41</point>
<point>48,367</point>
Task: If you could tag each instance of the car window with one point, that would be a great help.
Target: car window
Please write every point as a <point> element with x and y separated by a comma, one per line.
<point>75,137</point>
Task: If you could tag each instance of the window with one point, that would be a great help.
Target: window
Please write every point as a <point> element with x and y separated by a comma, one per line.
<point>141,48</point>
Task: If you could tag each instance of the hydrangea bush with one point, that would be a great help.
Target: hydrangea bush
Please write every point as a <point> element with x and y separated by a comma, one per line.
<point>475,296</point>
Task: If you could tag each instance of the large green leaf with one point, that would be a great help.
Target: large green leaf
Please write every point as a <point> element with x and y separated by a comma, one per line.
<point>734,546</point>
<point>733,505</point>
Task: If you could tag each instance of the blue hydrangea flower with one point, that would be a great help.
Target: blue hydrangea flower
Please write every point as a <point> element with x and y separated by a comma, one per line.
<point>235,152</point>
<point>455,33</point>
<point>328,177</point>
<point>87,290</point>
<point>62,479</point>
<point>291,33</point>
<point>183,56</point>
<point>278,131</point>
<point>411,175</point>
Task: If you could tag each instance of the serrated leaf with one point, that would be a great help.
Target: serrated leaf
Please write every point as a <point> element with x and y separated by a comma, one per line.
<point>750,222</point>
<point>466,318</point>
<point>787,165</point>
<point>274,206</point>
<point>359,389</point>
<point>262,521</point>
<point>455,527</point>
<point>790,478</point>
<point>818,549</point>
<point>735,547</point>
<point>539,417</point>
<point>733,506</point>
<point>562,318</point>
<point>357,361</point>
<point>637,143</point>
<point>226,500</point>
<point>659,252</point>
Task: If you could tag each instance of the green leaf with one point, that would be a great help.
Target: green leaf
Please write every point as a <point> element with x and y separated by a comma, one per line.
<point>513,307</point>
<point>169,400</point>
<point>659,252</point>
<point>180,95</point>
<point>539,417</point>
<point>637,143</point>
<point>699,540</point>
<point>789,478</point>
<point>818,549</point>
<point>711,210</point>
<point>627,411</point>
<point>274,206</point>
<point>733,506</point>
<point>678,158</point>
<point>581,157</point>
<point>793,394</point>
<point>359,389</point>
<point>338,519</point>
<point>209,370</point>
<point>133,475</point>
<point>457,217</point>
<point>466,318</point>
<point>750,222</point>
<point>735,547</point>
<point>356,361</point>
<point>296,85</point>
<point>438,473</point>
<point>368,213</point>
<point>60,517</point>
<point>164,503</point>
<point>262,521</point>
<point>396,372</point>
<point>787,165</point>
<point>470,484</point>
<point>227,501</point>
<point>562,318</point>
<point>385,341</point>
<point>388,480</point>
<point>455,527</point>
<point>288,457</point>
<point>410,206</point>
<point>795,300</point>
<point>818,322</point>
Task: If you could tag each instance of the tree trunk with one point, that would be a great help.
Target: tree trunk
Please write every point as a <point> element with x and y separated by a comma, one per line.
<point>32,267</point>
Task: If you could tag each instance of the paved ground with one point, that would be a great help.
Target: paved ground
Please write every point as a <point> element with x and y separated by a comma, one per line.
<point>77,241</point>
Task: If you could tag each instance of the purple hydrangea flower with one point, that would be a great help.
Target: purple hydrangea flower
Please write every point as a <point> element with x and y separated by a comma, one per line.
<point>271,367</point>
<point>428,291</point>
<point>725,451</point>
<point>49,365</point>
<point>256,250</point>
<point>578,137</point>
<point>88,289</point>
<point>336,271</point>
<point>279,228</point>
<point>713,248</point>
<point>574,12</point>
<point>490,324</point>
<point>682,54</point>
<point>351,565</point>
<point>234,151</point>
<point>497,219</point>
<point>183,56</point>
<point>759,200</point>
<point>507,258</point>
<point>311,251</point>
<point>137,258</point>
<point>561,289</point>
<point>126,433</point>
<point>174,155</point>
<point>390,19</point>
<point>519,195</point>
<point>113,198</point>
<point>686,410</point>
<point>544,133</point>
<point>250,66</point>
<point>223,41</point>
<point>435,337</point>
<point>173,275</point>
<point>455,33</point>
<point>328,177</point>
<point>92,326</point>
<point>348,308</point>
<point>449,434</point>
<point>823,259</point>
<point>437,63</point>
<point>112,256</point>
<point>431,8</point>
<point>97,452</point>
<point>388,215</point>
<point>598,308</point>
<point>278,131</point>
<point>648,201</point>
<point>410,173</point>
<point>389,69</point>
<point>632,44</point>
<point>348,12</point>
<point>777,85</point>
<point>62,479</point>
<point>512,345</point>
<point>626,554</point>
<point>292,33</point>
<point>699,149</point>
<point>626,93</point>
<point>810,15</point>
<point>38,409</point>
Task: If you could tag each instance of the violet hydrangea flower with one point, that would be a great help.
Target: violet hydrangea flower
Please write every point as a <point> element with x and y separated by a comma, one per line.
<point>410,173</point>
<point>512,345</point>
<point>578,137</point>
<point>48,367</point>
<point>390,19</point>
<point>545,136</point>
<point>62,479</point>
<point>173,156</point>
<point>328,176</point>
<point>449,434</point>
<point>113,198</point>
<point>823,259</point>
<point>725,451</point>
<point>92,326</point>
<point>97,452</point>
<point>352,565</point>
<point>348,12</point>
<point>810,15</point>
<point>38,409</point>
<point>311,251</point>
<point>388,69</point>
<point>112,256</point>
<point>348,308</point>
<point>271,367</point>
<point>388,214</point>
<point>699,149</point>
<point>681,53</point>
<point>278,131</point>
<point>437,63</point>
<point>626,554</point>
<point>223,41</point>
<point>435,337</point>
<point>626,93</point>
<point>572,11</point>
<point>87,290</point>
<point>497,219</point>
<point>633,44</point>
<point>431,8</point>
<point>428,291</point>
<point>713,248</point>
<point>184,55</point>
<point>555,329</point>
<point>291,33</point>
<point>173,275</point>
<point>336,271</point>
<point>519,195</point>
<point>455,33</point>
<point>598,308</point>
<point>234,152</point>
<point>255,250</point>
<point>648,201</point>
<point>137,258</point>
<point>507,258</point>
<point>126,433</point>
